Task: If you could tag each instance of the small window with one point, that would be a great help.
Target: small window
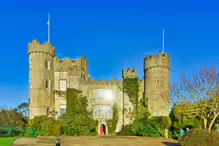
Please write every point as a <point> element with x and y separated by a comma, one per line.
<point>97,94</point>
<point>62,109</point>
<point>156,80</point>
<point>62,85</point>
<point>155,114</point>
<point>30,84</point>
<point>48,84</point>
<point>30,64</point>
<point>155,97</point>
<point>47,64</point>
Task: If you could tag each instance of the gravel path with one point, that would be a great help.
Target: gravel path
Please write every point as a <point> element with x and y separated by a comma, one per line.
<point>96,141</point>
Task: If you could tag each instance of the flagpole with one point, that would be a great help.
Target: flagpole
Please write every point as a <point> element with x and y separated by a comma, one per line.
<point>48,23</point>
<point>163,42</point>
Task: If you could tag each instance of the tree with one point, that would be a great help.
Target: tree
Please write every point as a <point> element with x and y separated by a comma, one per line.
<point>79,119</point>
<point>180,120</point>
<point>12,118</point>
<point>197,96</point>
<point>45,126</point>
<point>23,108</point>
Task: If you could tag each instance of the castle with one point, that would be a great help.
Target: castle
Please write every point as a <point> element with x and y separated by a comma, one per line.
<point>49,77</point>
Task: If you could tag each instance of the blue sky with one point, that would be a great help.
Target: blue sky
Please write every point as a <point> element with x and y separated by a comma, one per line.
<point>119,33</point>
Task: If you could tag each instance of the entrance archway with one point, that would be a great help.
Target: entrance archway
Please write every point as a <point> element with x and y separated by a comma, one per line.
<point>102,129</point>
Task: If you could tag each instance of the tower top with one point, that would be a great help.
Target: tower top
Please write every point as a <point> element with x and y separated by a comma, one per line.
<point>130,73</point>
<point>157,60</point>
<point>35,46</point>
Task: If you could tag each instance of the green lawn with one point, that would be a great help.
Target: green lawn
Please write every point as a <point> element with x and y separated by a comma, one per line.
<point>6,141</point>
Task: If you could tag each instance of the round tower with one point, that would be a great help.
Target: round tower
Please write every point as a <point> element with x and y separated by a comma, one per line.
<point>157,84</point>
<point>41,78</point>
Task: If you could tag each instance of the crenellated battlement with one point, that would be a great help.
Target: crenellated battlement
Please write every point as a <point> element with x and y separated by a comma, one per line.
<point>157,56</point>
<point>157,60</point>
<point>63,65</point>
<point>130,73</point>
<point>35,46</point>
<point>103,82</point>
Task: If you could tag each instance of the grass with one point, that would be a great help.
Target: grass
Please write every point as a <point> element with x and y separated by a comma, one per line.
<point>6,141</point>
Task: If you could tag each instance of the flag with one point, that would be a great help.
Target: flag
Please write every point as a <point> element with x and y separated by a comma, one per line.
<point>48,23</point>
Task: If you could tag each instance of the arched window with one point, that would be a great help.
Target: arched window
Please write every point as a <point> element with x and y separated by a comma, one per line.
<point>48,84</point>
<point>156,80</point>
<point>155,97</point>
<point>47,64</point>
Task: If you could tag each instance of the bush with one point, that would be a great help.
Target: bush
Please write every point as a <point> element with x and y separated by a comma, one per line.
<point>77,125</point>
<point>17,132</point>
<point>126,131</point>
<point>175,135</point>
<point>3,131</point>
<point>44,126</point>
<point>199,137</point>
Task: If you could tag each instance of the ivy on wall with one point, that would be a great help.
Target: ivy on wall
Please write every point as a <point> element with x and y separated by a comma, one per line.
<point>111,124</point>
<point>131,88</point>
<point>75,102</point>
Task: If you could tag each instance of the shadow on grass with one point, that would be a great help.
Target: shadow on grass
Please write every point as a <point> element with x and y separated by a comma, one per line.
<point>170,144</point>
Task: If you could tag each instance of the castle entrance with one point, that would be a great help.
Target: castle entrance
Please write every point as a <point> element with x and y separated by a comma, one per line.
<point>102,129</point>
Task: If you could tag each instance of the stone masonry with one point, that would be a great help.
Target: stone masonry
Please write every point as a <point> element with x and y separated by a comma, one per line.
<point>47,73</point>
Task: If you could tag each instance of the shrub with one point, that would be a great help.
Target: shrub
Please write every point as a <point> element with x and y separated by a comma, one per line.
<point>126,131</point>
<point>175,135</point>
<point>3,131</point>
<point>77,125</point>
<point>199,137</point>
<point>44,126</point>
<point>16,132</point>
<point>149,128</point>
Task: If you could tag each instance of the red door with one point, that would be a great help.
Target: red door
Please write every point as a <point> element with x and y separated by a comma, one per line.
<point>101,130</point>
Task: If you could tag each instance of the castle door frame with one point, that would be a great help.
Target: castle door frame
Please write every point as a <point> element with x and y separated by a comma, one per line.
<point>102,129</point>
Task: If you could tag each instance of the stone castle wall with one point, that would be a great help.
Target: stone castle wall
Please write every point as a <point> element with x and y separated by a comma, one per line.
<point>75,72</point>
<point>157,83</point>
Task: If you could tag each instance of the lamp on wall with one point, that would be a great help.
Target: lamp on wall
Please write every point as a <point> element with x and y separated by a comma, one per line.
<point>53,113</point>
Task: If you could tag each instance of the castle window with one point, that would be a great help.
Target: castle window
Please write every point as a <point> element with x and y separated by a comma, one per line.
<point>103,94</point>
<point>155,97</point>
<point>30,64</point>
<point>103,112</point>
<point>97,94</point>
<point>62,85</point>
<point>30,83</point>
<point>47,64</point>
<point>48,84</point>
<point>62,109</point>
<point>156,80</point>
<point>155,114</point>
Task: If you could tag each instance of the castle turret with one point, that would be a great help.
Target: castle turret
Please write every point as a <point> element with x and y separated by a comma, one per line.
<point>157,84</point>
<point>41,78</point>
<point>131,73</point>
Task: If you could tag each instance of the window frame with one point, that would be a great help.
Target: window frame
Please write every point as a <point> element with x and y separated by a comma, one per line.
<point>155,114</point>
<point>60,84</point>
<point>48,84</point>
<point>155,97</point>
<point>61,109</point>
<point>103,112</point>
<point>48,65</point>
<point>30,63</point>
<point>156,80</point>
<point>101,94</point>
